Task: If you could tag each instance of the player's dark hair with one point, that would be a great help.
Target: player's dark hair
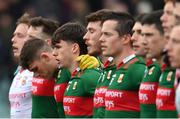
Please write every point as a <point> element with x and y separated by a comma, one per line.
<point>25,19</point>
<point>140,17</point>
<point>71,32</point>
<point>31,50</point>
<point>154,18</point>
<point>125,22</point>
<point>49,25</point>
<point>97,16</point>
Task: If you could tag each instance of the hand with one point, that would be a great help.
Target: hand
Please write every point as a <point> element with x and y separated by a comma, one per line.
<point>87,62</point>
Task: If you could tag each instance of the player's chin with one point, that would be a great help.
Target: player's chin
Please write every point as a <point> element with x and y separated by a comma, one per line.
<point>173,62</point>
<point>106,53</point>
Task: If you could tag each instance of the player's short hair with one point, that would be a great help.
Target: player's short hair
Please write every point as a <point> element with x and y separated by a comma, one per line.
<point>173,1</point>
<point>140,17</point>
<point>154,18</point>
<point>177,1</point>
<point>31,50</point>
<point>125,22</point>
<point>24,19</point>
<point>71,32</point>
<point>49,25</point>
<point>97,16</point>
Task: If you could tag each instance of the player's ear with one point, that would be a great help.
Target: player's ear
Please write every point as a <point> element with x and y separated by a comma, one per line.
<point>75,48</point>
<point>44,56</point>
<point>126,39</point>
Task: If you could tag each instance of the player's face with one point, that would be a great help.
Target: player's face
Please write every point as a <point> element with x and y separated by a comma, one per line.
<point>45,66</point>
<point>177,13</point>
<point>19,37</point>
<point>92,38</point>
<point>154,42</point>
<point>110,40</point>
<point>168,18</point>
<point>137,41</point>
<point>173,47</point>
<point>63,53</point>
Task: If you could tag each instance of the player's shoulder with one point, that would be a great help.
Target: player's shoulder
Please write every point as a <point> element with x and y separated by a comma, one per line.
<point>91,73</point>
<point>26,72</point>
<point>135,63</point>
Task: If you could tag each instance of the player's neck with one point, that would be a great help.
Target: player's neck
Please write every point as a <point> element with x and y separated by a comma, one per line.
<point>160,60</point>
<point>103,58</point>
<point>73,66</point>
<point>122,55</point>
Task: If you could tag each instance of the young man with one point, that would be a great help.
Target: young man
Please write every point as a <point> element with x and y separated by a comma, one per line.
<point>94,48</point>
<point>68,45</point>
<point>121,98</point>
<point>93,33</point>
<point>41,59</point>
<point>173,52</point>
<point>20,91</point>
<point>153,39</point>
<point>173,49</point>
<point>136,39</point>
<point>43,28</point>
<point>168,18</point>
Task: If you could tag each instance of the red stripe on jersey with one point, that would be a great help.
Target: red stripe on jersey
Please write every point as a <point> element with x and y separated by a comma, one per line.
<point>147,92</point>
<point>43,87</point>
<point>59,90</point>
<point>99,96</point>
<point>78,106</point>
<point>116,100</point>
<point>165,99</point>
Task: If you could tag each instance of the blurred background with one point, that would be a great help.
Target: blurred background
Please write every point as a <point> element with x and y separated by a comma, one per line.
<point>61,10</point>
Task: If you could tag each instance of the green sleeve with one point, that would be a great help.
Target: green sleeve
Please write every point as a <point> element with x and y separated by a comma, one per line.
<point>136,74</point>
<point>89,79</point>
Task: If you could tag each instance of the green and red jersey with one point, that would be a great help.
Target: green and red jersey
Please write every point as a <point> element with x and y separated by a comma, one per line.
<point>99,95</point>
<point>61,83</point>
<point>165,98</point>
<point>78,97</point>
<point>43,102</point>
<point>148,89</point>
<point>121,98</point>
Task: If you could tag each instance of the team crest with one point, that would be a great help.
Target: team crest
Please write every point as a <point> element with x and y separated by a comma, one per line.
<point>151,71</point>
<point>120,78</point>
<point>75,85</point>
<point>23,81</point>
<point>109,74</point>
<point>169,76</point>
